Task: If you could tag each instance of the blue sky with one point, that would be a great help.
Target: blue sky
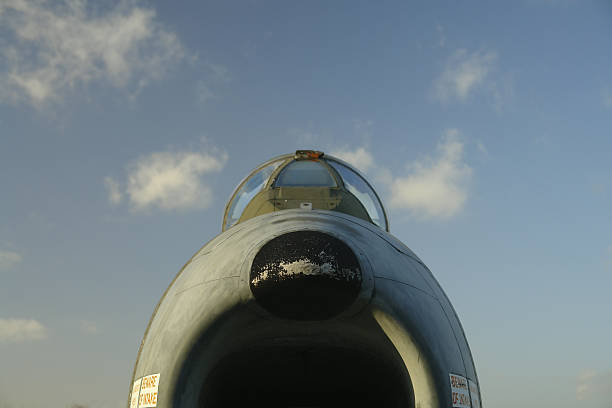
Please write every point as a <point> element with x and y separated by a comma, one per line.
<point>486,128</point>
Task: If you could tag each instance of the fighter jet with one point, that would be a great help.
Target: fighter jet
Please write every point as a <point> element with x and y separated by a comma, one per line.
<point>304,300</point>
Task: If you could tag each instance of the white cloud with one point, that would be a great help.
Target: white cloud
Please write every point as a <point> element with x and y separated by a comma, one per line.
<point>88,327</point>
<point>20,330</point>
<point>56,46</point>
<point>594,387</point>
<point>203,92</point>
<point>435,188</point>
<point>464,73</point>
<point>114,192</point>
<point>9,259</point>
<point>359,157</point>
<point>172,180</point>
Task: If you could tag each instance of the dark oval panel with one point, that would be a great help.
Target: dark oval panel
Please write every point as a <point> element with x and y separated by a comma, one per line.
<point>305,275</point>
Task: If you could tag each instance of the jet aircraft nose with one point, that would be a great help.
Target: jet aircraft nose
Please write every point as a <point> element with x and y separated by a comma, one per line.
<point>305,275</point>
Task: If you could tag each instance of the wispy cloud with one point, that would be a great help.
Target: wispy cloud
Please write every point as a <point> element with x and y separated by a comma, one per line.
<point>482,148</point>
<point>441,36</point>
<point>89,327</point>
<point>594,386</point>
<point>464,73</point>
<point>215,75</point>
<point>363,128</point>
<point>21,330</point>
<point>217,72</point>
<point>306,139</point>
<point>435,187</point>
<point>170,180</point>
<point>358,154</point>
<point>204,92</point>
<point>57,46</point>
<point>113,190</point>
<point>8,259</point>
<point>359,157</point>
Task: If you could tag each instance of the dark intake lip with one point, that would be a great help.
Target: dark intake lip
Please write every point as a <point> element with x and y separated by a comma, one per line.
<point>305,275</point>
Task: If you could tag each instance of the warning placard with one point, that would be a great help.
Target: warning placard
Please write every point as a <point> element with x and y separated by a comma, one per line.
<point>460,394</point>
<point>475,394</point>
<point>135,393</point>
<point>148,391</point>
<point>144,392</point>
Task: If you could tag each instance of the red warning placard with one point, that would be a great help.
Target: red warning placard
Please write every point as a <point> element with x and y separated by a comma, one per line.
<point>460,394</point>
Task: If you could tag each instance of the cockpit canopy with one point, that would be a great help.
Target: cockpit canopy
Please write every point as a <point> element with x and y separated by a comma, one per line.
<point>308,180</point>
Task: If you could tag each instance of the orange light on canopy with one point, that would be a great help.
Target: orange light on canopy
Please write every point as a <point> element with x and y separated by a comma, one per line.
<point>308,155</point>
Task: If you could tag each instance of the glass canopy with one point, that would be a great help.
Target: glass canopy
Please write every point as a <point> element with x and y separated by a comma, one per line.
<point>248,189</point>
<point>308,181</point>
<point>360,188</point>
<point>305,173</point>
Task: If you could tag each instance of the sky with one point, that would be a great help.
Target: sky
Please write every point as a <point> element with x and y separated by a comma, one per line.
<point>485,127</point>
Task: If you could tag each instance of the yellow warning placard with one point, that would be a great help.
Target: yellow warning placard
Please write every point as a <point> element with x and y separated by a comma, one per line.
<point>460,394</point>
<point>144,392</point>
<point>148,391</point>
<point>135,393</point>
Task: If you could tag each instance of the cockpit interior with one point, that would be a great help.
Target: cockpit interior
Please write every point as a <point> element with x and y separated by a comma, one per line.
<point>307,180</point>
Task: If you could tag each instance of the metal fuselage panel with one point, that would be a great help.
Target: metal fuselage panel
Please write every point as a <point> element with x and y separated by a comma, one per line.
<point>209,312</point>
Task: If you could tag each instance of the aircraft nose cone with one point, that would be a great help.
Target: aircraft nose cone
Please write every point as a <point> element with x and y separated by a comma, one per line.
<point>305,275</point>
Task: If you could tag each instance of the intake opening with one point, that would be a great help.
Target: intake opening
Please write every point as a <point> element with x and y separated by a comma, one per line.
<point>306,377</point>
